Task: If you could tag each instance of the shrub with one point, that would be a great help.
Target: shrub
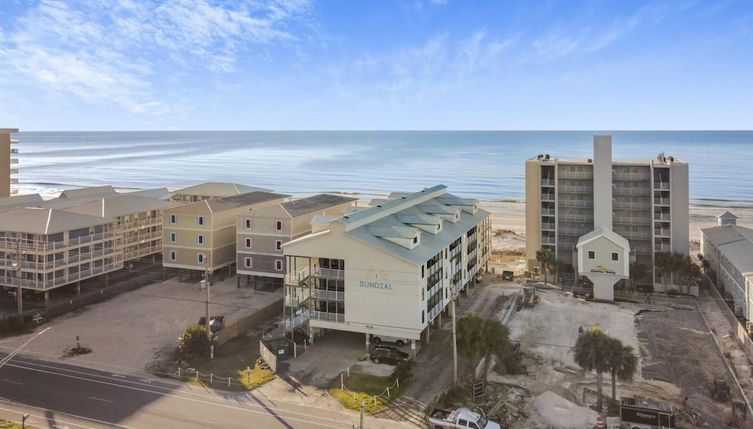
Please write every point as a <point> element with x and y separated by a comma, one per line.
<point>403,371</point>
<point>193,342</point>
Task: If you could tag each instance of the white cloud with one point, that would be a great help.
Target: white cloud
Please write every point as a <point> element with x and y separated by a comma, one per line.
<point>109,50</point>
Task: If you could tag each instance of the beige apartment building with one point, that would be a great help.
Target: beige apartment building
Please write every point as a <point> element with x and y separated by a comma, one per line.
<point>388,269</point>
<point>263,232</point>
<point>643,200</point>
<point>201,236</point>
<point>209,190</point>
<point>8,161</point>
<point>65,240</point>
<point>43,248</point>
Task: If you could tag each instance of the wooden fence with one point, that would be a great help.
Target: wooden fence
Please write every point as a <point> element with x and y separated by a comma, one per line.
<point>242,325</point>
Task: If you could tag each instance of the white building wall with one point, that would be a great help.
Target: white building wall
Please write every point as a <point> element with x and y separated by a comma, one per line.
<point>602,181</point>
<point>679,211</point>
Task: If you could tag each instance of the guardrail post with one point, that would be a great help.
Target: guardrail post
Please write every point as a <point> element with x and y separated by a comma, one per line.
<point>211,378</point>
<point>228,382</point>
<point>397,382</point>
<point>197,375</point>
<point>388,392</point>
<point>178,372</point>
<point>342,382</point>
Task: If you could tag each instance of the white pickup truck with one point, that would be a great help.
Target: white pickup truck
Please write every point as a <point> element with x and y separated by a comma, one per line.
<point>462,418</point>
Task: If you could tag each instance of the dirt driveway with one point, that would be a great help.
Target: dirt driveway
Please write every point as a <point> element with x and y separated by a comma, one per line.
<point>126,332</point>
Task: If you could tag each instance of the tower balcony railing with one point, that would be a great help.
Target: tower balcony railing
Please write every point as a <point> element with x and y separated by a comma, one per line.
<point>571,189</point>
<point>582,175</point>
<point>547,182</point>
<point>328,295</point>
<point>329,273</point>
<point>548,240</point>
<point>548,226</point>
<point>625,190</point>
<point>330,317</point>
<point>14,160</point>
<point>547,196</point>
<point>631,176</point>
<point>661,185</point>
<point>631,205</point>
<point>662,216</point>
<point>547,212</point>
<point>661,201</point>
<point>631,220</point>
<point>576,217</point>
<point>13,141</point>
<point>662,232</point>
<point>296,321</point>
<point>576,203</point>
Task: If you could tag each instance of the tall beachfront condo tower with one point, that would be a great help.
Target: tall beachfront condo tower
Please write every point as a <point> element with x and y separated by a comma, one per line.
<point>642,200</point>
<point>7,161</point>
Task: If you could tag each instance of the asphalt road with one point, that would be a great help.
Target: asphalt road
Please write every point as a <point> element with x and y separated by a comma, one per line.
<point>59,396</point>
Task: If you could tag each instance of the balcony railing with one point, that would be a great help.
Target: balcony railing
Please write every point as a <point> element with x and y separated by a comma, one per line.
<point>14,161</point>
<point>331,317</point>
<point>635,235</point>
<point>642,251</point>
<point>59,281</point>
<point>662,232</point>
<point>547,196</point>
<point>627,205</point>
<point>662,247</point>
<point>298,320</point>
<point>13,171</point>
<point>548,226</point>
<point>631,176</point>
<point>329,273</point>
<point>34,245</point>
<point>13,141</point>
<point>576,218</point>
<point>623,190</point>
<point>328,295</point>
<point>568,189</point>
<point>573,231</point>
<point>661,201</point>
<point>661,185</point>
<point>630,220</point>
<point>576,203</point>
<point>583,175</point>
<point>662,216</point>
<point>547,182</point>
<point>548,240</point>
<point>547,212</point>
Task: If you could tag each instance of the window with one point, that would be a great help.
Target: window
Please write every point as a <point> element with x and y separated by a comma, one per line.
<point>415,240</point>
<point>249,243</point>
<point>591,254</point>
<point>615,256</point>
<point>248,223</point>
<point>173,218</point>
<point>278,225</point>
<point>248,262</point>
<point>278,264</point>
<point>422,271</point>
<point>423,317</point>
<point>278,244</point>
<point>173,237</point>
<point>200,220</point>
<point>173,255</point>
<point>200,239</point>
<point>200,258</point>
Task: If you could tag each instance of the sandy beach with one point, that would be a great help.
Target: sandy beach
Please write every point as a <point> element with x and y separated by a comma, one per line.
<point>509,223</point>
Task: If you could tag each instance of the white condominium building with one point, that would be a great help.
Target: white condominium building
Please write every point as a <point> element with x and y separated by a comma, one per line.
<point>388,269</point>
<point>643,200</point>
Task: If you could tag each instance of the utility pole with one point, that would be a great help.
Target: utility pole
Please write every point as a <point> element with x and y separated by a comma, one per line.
<point>454,345</point>
<point>19,291</point>
<point>207,324</point>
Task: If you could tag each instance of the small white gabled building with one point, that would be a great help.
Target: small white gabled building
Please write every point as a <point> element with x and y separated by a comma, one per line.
<point>604,258</point>
<point>388,269</point>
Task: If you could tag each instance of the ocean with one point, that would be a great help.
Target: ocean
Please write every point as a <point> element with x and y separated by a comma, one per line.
<point>481,164</point>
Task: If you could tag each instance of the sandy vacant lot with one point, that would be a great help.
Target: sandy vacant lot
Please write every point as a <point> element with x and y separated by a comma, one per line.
<point>126,332</point>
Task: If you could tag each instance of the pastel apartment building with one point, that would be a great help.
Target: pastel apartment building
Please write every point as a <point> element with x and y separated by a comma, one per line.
<point>77,236</point>
<point>388,269</point>
<point>643,200</point>
<point>202,235</point>
<point>209,190</point>
<point>8,161</point>
<point>262,232</point>
<point>728,248</point>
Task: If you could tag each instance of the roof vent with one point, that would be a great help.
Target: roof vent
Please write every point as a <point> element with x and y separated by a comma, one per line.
<point>540,157</point>
<point>671,159</point>
<point>546,157</point>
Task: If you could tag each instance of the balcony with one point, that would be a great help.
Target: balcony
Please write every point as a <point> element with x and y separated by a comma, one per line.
<point>569,189</point>
<point>573,232</point>
<point>576,203</point>
<point>328,295</point>
<point>13,171</point>
<point>547,212</point>
<point>13,181</point>
<point>547,182</point>
<point>330,317</point>
<point>547,196</point>
<point>13,141</point>
<point>643,251</point>
<point>662,247</point>
<point>663,232</point>
<point>62,280</point>
<point>661,201</point>
<point>631,176</point>
<point>547,226</point>
<point>43,246</point>
<point>297,321</point>
<point>662,217</point>
<point>631,220</point>
<point>580,175</point>
<point>548,241</point>
<point>623,190</point>
<point>14,150</point>
<point>629,205</point>
<point>14,160</point>
<point>635,235</point>
<point>661,185</point>
<point>576,218</point>
<point>329,273</point>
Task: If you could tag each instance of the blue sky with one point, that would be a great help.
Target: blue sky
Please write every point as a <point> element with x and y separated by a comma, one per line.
<point>380,64</point>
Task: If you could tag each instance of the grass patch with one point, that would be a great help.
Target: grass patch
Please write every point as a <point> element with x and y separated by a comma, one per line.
<point>231,360</point>
<point>11,425</point>
<point>362,388</point>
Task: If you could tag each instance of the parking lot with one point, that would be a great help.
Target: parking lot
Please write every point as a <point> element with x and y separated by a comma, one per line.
<point>127,332</point>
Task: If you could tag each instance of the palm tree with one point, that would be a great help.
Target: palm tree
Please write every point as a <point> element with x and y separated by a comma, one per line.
<point>478,338</point>
<point>623,363</point>
<point>545,257</point>
<point>638,272</point>
<point>592,352</point>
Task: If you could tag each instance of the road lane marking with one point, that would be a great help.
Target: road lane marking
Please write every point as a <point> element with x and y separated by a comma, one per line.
<point>211,422</point>
<point>12,381</point>
<point>290,414</point>
<point>101,399</point>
